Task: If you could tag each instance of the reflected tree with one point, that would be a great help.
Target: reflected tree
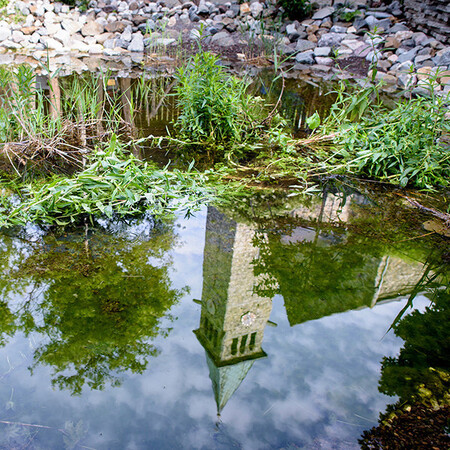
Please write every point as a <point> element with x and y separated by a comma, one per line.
<point>102,303</point>
<point>420,377</point>
<point>421,372</point>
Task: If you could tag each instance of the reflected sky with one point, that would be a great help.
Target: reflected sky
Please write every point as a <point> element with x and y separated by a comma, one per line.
<point>317,387</point>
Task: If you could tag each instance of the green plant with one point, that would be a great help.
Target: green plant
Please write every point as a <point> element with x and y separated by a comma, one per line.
<point>296,9</point>
<point>402,145</point>
<point>4,3</point>
<point>216,111</point>
<point>112,184</point>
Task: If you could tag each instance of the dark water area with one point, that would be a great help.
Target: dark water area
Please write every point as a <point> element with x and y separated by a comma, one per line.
<point>257,326</point>
<point>148,102</point>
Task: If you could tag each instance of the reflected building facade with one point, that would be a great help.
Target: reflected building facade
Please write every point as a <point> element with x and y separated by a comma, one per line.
<point>318,272</point>
<point>233,317</point>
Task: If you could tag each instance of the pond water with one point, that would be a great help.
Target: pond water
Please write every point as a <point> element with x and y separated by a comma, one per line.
<point>261,325</point>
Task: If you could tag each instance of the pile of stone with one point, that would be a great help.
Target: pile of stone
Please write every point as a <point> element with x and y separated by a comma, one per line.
<point>402,56</point>
<point>114,28</point>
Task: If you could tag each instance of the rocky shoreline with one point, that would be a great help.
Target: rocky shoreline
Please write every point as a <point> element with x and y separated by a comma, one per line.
<point>40,29</point>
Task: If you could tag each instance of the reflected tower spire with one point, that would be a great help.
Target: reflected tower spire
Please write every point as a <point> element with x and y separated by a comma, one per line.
<point>233,318</point>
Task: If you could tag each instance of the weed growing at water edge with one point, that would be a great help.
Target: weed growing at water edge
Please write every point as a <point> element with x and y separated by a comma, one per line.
<point>112,184</point>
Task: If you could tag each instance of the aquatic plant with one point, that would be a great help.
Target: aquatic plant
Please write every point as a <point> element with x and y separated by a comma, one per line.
<point>404,145</point>
<point>114,183</point>
<point>213,104</point>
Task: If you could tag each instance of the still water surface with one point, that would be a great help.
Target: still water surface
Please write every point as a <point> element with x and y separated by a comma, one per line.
<point>224,330</point>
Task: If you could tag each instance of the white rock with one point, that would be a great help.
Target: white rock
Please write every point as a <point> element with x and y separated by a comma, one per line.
<point>90,40</point>
<point>51,43</point>
<point>95,49</point>
<point>126,35</point>
<point>64,37</point>
<point>5,33</point>
<point>322,13</point>
<point>137,44</point>
<point>322,51</point>
<point>17,36</point>
<point>324,61</point>
<point>256,9</point>
<point>71,26</point>
<point>52,28</point>
<point>10,45</point>
<point>353,44</point>
<point>79,46</point>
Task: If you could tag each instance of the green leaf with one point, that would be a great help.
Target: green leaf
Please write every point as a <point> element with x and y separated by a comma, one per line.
<point>313,121</point>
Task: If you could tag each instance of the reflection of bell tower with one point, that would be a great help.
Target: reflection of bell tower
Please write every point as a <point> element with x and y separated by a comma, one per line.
<point>233,318</point>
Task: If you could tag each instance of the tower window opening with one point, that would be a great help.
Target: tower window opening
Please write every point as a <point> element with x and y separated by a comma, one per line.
<point>234,346</point>
<point>243,343</point>
<point>251,345</point>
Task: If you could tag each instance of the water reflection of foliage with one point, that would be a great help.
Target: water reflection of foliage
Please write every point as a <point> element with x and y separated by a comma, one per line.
<point>419,376</point>
<point>316,278</point>
<point>421,372</point>
<point>101,305</point>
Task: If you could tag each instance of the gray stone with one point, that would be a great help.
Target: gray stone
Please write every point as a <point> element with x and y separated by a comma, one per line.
<point>223,39</point>
<point>405,80</point>
<point>421,58</point>
<point>126,35</point>
<point>380,14</point>
<point>407,56</point>
<point>384,24</point>
<point>302,67</point>
<point>338,29</point>
<point>398,27</point>
<point>303,45</point>
<point>171,3</point>
<point>322,13</point>
<point>360,24</point>
<point>256,9</point>
<point>442,58</point>
<point>119,43</point>
<point>331,39</point>
<point>305,57</point>
<point>292,32</point>
<point>322,51</point>
<point>287,49</point>
<point>137,43</point>
<point>202,9</point>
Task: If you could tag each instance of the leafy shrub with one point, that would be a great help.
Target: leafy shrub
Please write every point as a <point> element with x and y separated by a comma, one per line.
<point>404,145</point>
<point>217,114</point>
<point>401,146</point>
<point>296,9</point>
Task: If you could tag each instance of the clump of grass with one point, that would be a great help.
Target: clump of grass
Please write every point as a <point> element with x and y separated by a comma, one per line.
<point>217,116</point>
<point>52,130</point>
<point>405,145</point>
<point>112,184</point>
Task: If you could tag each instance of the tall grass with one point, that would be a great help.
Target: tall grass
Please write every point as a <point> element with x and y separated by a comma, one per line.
<point>217,115</point>
<point>405,145</point>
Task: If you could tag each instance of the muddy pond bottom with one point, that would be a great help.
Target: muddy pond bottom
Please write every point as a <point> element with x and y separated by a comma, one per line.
<point>217,331</point>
